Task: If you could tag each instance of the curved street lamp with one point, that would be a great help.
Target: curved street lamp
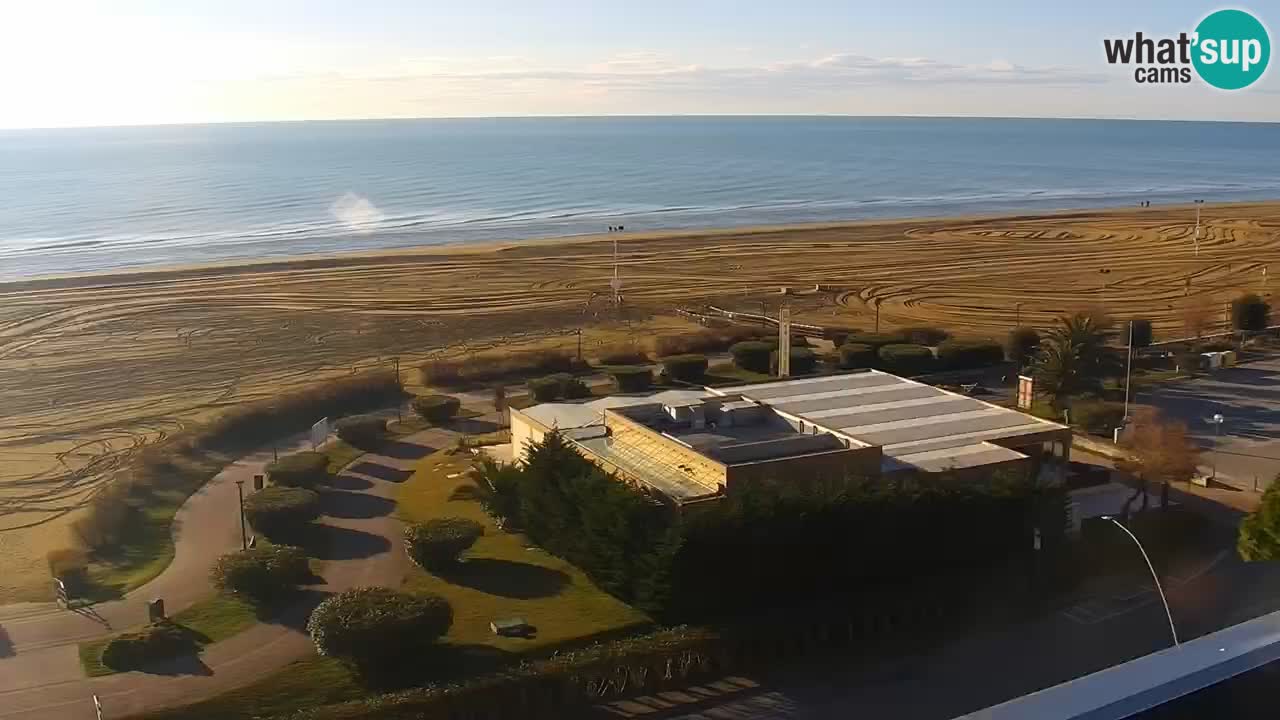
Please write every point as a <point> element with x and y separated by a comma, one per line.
<point>1172,630</point>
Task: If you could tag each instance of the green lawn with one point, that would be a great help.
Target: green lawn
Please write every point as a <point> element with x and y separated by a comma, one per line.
<point>726,373</point>
<point>212,619</point>
<point>503,576</point>
<point>301,684</point>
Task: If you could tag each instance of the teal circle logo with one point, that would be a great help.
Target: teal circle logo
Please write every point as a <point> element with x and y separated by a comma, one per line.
<point>1232,49</point>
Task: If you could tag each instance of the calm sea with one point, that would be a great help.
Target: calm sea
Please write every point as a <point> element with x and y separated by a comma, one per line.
<point>95,199</point>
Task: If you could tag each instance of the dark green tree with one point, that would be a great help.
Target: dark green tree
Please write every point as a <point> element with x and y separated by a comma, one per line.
<point>1250,313</point>
<point>1022,346</point>
<point>1141,334</point>
<point>1260,532</point>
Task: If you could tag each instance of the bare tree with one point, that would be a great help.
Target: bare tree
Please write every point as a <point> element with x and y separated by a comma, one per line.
<point>1197,313</point>
<point>1160,451</point>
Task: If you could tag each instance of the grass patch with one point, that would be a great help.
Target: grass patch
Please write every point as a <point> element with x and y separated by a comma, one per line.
<point>730,374</point>
<point>504,576</point>
<point>91,658</point>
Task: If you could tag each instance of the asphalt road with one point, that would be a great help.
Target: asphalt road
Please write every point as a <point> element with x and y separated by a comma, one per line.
<point>1248,398</point>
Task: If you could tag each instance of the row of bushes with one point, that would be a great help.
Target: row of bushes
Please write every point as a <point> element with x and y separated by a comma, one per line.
<point>560,386</point>
<point>709,340</point>
<point>185,460</point>
<point>761,356</point>
<point>482,369</point>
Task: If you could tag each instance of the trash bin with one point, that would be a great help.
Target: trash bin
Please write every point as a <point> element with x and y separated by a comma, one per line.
<point>155,610</point>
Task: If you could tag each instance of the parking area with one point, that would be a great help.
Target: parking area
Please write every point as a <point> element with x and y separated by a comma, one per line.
<point>1248,398</point>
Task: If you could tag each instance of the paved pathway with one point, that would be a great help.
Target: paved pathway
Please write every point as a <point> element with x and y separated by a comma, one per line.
<point>42,679</point>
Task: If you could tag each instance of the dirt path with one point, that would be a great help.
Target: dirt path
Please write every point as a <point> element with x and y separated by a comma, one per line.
<point>363,548</point>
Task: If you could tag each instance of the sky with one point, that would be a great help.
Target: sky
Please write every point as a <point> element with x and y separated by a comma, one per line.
<point>132,62</point>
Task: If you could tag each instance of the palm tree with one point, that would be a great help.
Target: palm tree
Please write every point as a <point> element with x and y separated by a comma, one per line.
<point>1073,358</point>
<point>1057,369</point>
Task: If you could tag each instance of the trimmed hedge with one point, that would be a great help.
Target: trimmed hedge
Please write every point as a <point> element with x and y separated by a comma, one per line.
<point>304,469</point>
<point>71,566</point>
<point>968,354</point>
<point>631,379</point>
<point>905,359</point>
<point>471,370</point>
<point>752,355</point>
<point>263,575</point>
<point>803,361</point>
<point>876,340</point>
<point>1098,417</point>
<point>279,512</point>
<point>705,341</point>
<point>437,543</point>
<point>925,335</point>
<point>159,641</point>
<point>687,368</point>
<point>436,408</point>
<point>855,356</point>
<point>362,431</point>
<point>621,354</point>
<point>377,628</point>
<point>557,386</point>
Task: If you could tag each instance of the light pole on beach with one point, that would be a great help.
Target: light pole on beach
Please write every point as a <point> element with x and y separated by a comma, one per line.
<point>1197,238</point>
<point>1172,630</point>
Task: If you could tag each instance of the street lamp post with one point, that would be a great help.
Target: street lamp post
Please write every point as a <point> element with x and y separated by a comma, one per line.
<point>1197,238</point>
<point>1128,371</point>
<point>1017,310</point>
<point>1172,630</point>
<point>1217,431</point>
<point>244,542</point>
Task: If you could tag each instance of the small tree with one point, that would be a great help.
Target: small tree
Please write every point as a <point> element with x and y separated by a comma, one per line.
<point>436,409</point>
<point>377,628</point>
<point>855,356</point>
<point>752,355</point>
<point>968,354</point>
<point>1197,313</point>
<point>687,368</point>
<point>925,335</point>
<point>1259,537</point>
<point>279,512</point>
<point>803,361</point>
<point>437,543</point>
<point>1160,450</point>
<point>631,379</point>
<point>263,575</point>
<point>1141,333</point>
<point>906,359</point>
<point>1250,313</point>
<point>362,431</point>
<point>304,469</point>
<point>1022,346</point>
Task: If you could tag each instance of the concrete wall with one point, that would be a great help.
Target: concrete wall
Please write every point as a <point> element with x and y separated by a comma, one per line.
<point>524,432</point>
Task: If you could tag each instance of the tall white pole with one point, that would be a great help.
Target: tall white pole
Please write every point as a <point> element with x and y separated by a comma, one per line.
<point>1198,227</point>
<point>1128,371</point>
<point>1172,630</point>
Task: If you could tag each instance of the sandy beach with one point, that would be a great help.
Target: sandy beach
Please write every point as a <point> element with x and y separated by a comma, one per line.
<point>92,366</point>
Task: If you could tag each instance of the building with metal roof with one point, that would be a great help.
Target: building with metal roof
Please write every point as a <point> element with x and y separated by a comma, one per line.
<point>691,445</point>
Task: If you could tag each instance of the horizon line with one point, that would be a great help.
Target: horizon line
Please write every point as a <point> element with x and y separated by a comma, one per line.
<point>605,116</point>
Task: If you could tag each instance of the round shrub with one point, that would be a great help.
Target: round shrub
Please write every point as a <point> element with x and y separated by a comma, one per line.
<point>159,641</point>
<point>687,368</point>
<point>752,355</point>
<point>803,361</point>
<point>436,408</point>
<point>559,385</point>
<point>362,431</point>
<point>71,566</point>
<point>1022,346</point>
<point>263,575</point>
<point>906,359</point>
<point>966,354</point>
<point>304,469</point>
<point>855,356</point>
<point>1142,334</point>
<point>925,335</point>
<point>279,512</point>
<point>437,543</point>
<point>631,379</point>
<point>374,627</point>
<point>1098,417</point>
<point>572,388</point>
<point>875,340</point>
<point>544,389</point>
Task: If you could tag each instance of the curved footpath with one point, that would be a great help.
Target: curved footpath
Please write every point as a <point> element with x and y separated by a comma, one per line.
<point>40,673</point>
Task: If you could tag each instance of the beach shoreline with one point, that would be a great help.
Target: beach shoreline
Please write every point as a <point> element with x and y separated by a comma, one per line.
<point>423,253</point>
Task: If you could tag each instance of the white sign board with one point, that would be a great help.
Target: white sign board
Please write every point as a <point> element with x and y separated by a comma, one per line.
<point>319,433</point>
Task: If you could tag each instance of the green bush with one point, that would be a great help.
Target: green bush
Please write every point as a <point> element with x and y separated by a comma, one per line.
<point>968,354</point>
<point>854,356</point>
<point>905,359</point>
<point>304,469</point>
<point>438,542</point>
<point>686,368</point>
<point>263,575</point>
<point>280,512</point>
<point>1022,346</point>
<point>803,361</point>
<point>876,340</point>
<point>362,431</point>
<point>1099,417</point>
<point>705,341</point>
<point>1259,537</point>
<point>71,566</point>
<point>559,385</point>
<point>544,389</point>
<point>376,628</point>
<point>436,408</point>
<point>925,335</point>
<point>752,355</point>
<point>631,379</point>
<point>1250,313</point>
<point>477,369</point>
<point>110,514</point>
<point>621,354</point>
<point>159,641</point>
<point>1142,335</point>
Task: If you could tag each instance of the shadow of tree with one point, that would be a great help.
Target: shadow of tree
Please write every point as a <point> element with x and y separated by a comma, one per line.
<point>328,542</point>
<point>402,450</point>
<point>474,426</point>
<point>354,505</point>
<point>467,491</point>
<point>349,482</point>
<point>506,578</point>
<point>382,472</point>
<point>181,665</point>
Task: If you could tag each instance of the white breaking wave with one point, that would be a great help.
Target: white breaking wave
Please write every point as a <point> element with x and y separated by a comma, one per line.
<point>357,213</point>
